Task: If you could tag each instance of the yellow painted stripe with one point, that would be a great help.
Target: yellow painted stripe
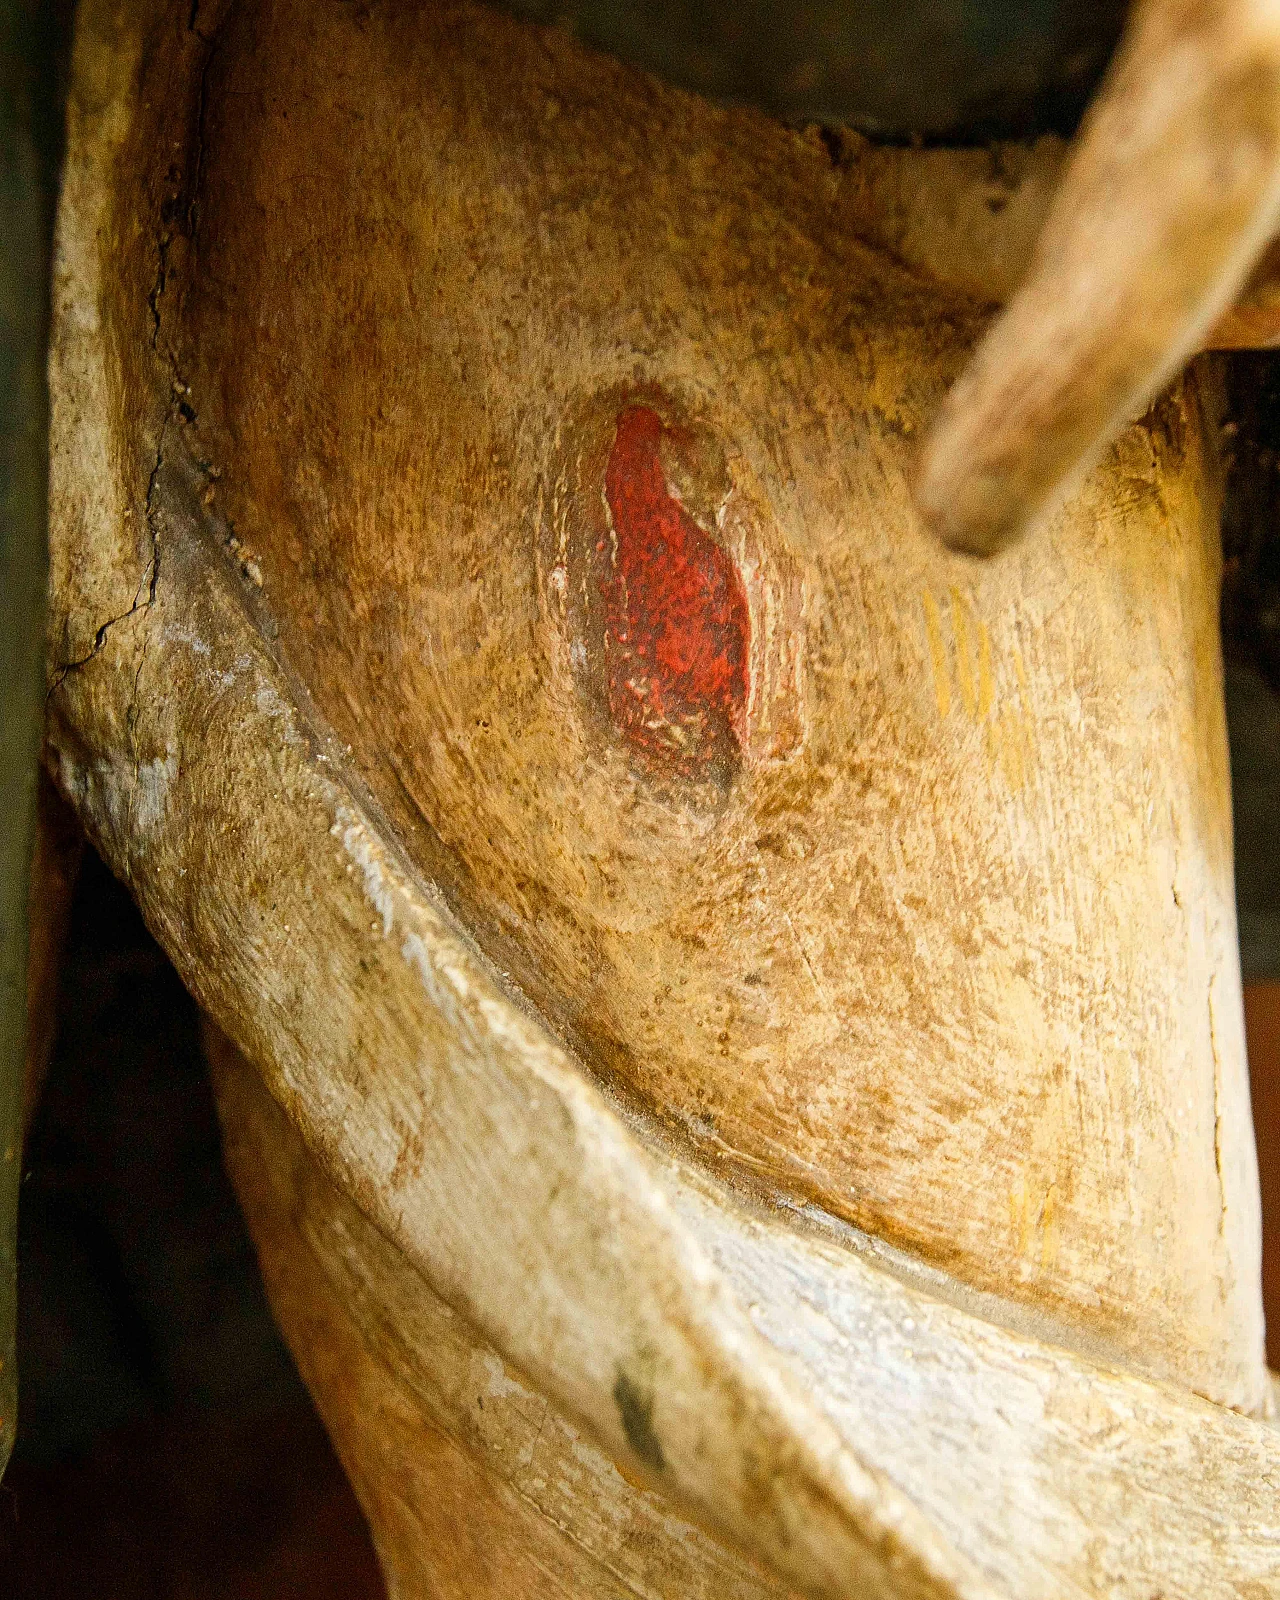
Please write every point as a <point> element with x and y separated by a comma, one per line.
<point>937,654</point>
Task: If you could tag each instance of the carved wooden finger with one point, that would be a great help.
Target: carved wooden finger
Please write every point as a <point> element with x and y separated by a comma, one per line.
<point>1169,197</point>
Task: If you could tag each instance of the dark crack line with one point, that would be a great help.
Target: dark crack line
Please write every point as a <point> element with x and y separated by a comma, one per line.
<point>149,580</point>
<point>99,639</point>
<point>193,19</point>
<point>152,579</point>
<point>179,404</point>
<point>202,106</point>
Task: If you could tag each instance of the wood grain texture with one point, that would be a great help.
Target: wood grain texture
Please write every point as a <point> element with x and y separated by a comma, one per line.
<point>931,945</point>
<point>515,1500</point>
<point>1055,1491</point>
<point>952,954</point>
<point>1057,1479</point>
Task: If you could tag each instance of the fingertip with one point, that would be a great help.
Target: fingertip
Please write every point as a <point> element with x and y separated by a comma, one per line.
<point>967,510</point>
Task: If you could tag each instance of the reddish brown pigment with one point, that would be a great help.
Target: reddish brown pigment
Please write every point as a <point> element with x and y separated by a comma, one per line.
<point>676,621</point>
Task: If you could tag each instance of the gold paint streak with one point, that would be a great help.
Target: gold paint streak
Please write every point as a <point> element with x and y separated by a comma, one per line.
<point>1049,1228</point>
<point>964,671</point>
<point>986,685</point>
<point>937,654</point>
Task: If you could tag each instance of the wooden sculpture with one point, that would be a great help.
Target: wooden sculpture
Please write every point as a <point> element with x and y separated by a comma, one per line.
<point>725,1013</point>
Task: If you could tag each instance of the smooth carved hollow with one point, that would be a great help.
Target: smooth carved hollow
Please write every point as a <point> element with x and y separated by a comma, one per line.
<point>677,627</point>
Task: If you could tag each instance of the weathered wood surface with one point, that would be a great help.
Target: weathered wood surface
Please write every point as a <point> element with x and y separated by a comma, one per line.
<point>1052,1477</point>
<point>473,1481</point>
<point>860,922</point>
<point>897,899</point>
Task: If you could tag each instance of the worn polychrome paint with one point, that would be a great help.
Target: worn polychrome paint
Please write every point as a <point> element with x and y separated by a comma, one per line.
<point>677,628</point>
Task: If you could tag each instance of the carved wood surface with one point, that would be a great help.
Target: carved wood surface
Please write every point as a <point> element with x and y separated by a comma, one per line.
<point>895,902</point>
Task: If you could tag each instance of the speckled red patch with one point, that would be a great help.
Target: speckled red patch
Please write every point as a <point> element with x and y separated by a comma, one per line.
<point>676,619</point>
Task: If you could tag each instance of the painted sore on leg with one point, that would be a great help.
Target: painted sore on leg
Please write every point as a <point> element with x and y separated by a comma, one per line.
<point>676,623</point>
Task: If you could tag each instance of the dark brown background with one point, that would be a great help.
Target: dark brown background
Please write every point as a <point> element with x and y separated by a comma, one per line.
<point>166,1447</point>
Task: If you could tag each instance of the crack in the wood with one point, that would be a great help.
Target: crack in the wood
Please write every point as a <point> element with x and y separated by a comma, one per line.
<point>202,104</point>
<point>193,18</point>
<point>152,517</point>
<point>179,404</point>
<point>150,578</point>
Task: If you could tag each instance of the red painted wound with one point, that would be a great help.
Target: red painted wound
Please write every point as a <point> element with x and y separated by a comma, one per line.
<point>676,619</point>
